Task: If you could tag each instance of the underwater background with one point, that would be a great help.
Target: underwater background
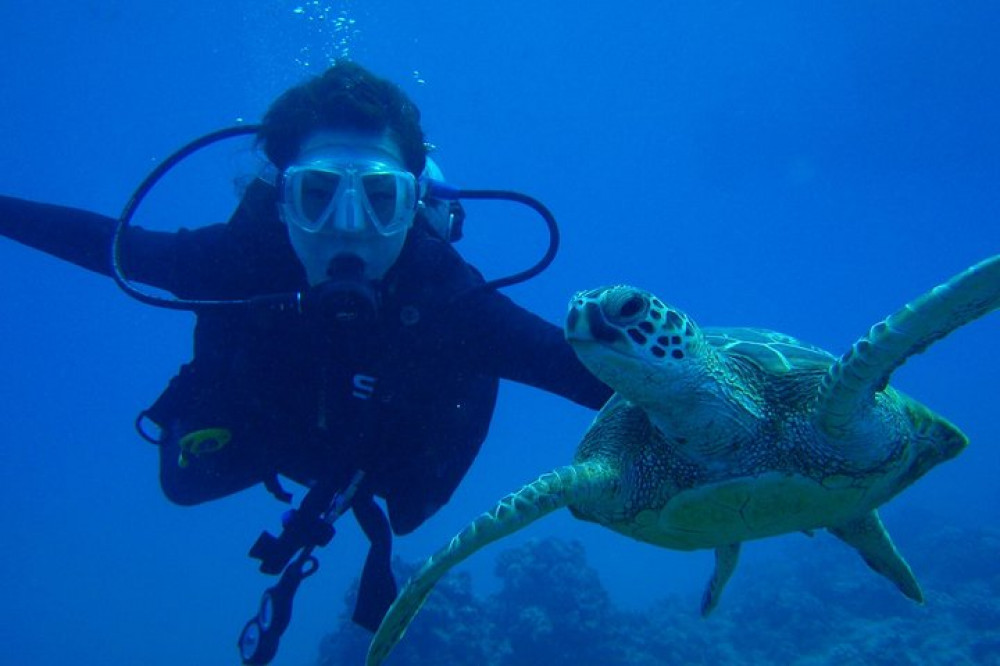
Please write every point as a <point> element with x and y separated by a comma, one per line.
<point>802,166</point>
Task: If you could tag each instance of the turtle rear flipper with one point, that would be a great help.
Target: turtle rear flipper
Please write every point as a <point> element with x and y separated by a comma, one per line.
<point>582,482</point>
<point>869,537</point>
<point>726,558</point>
<point>853,380</point>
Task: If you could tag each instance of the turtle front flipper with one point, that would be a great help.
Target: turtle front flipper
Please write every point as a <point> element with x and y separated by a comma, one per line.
<point>726,558</point>
<point>870,538</point>
<point>583,482</point>
<point>854,379</point>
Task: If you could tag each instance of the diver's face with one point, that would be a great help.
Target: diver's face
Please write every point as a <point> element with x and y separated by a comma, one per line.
<point>348,196</point>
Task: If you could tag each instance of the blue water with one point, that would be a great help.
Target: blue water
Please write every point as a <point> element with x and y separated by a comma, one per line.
<point>807,167</point>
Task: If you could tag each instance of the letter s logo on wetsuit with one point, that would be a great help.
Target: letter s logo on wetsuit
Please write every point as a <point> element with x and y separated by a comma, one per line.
<point>364,386</point>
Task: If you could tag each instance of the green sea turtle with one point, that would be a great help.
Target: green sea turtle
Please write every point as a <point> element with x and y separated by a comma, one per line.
<point>721,435</point>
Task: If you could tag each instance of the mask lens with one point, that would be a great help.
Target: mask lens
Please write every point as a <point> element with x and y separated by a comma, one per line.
<point>316,193</point>
<point>391,199</point>
<point>381,191</point>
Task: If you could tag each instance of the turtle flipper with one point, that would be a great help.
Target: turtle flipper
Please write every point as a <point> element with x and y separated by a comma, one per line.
<point>559,488</point>
<point>726,558</point>
<point>853,380</point>
<point>869,537</point>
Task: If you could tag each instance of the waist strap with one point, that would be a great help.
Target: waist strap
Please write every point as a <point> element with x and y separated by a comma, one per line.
<point>377,589</point>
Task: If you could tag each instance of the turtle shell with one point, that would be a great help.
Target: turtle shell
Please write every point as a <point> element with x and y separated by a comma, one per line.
<point>773,352</point>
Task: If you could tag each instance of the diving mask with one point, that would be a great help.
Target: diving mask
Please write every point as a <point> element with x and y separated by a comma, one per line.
<point>353,196</point>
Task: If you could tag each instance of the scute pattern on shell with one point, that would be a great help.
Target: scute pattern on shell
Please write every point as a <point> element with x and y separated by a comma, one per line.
<point>774,352</point>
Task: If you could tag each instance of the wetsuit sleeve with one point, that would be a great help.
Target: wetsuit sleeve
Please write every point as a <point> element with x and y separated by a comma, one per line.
<point>519,345</point>
<point>160,259</point>
<point>489,331</point>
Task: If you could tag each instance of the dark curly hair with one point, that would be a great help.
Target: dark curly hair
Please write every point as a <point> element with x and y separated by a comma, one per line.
<point>345,96</point>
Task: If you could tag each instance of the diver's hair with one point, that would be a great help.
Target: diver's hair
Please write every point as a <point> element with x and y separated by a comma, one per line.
<point>344,97</point>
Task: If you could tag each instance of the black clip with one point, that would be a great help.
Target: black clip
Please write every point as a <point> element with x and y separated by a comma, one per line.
<point>299,531</point>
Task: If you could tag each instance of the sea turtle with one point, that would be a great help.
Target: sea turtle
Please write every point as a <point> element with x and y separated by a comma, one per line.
<point>721,435</point>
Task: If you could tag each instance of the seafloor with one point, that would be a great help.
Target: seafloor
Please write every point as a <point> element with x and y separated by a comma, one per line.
<point>816,606</point>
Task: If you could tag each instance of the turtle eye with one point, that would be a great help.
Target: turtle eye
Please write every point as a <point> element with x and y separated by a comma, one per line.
<point>633,306</point>
<point>627,309</point>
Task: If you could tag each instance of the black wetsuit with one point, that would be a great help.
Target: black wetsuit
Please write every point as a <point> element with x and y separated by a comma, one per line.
<point>409,399</point>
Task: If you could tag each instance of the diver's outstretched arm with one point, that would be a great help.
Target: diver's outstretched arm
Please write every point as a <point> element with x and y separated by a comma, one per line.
<point>160,259</point>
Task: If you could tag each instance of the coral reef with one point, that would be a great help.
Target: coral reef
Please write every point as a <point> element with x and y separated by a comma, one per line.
<point>452,628</point>
<point>817,608</point>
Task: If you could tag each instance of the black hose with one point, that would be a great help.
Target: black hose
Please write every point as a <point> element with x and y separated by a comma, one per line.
<point>550,223</point>
<point>292,301</point>
<point>125,219</point>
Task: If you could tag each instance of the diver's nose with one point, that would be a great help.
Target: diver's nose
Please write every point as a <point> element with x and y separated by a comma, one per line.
<point>349,216</point>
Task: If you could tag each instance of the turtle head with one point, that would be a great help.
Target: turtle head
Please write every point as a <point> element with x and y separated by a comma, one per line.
<point>634,342</point>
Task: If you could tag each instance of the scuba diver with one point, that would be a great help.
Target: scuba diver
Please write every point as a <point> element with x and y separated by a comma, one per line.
<point>377,378</point>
